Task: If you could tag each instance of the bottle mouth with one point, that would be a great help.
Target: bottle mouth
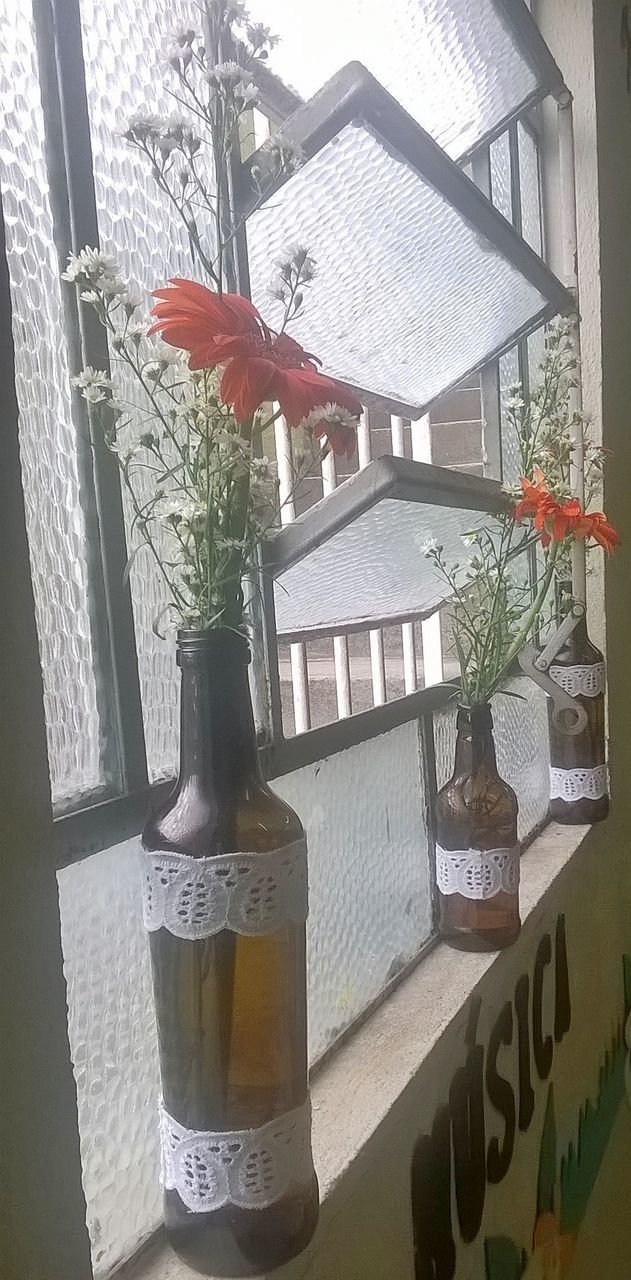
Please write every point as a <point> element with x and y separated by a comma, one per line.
<point>477,713</point>
<point>217,644</point>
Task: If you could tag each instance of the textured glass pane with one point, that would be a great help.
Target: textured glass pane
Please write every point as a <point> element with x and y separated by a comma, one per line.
<point>529,189</point>
<point>536,354</point>
<point>368,873</point>
<point>123,47</point>
<point>54,514</point>
<point>499,153</point>
<point>453,66</point>
<point>521,740</point>
<point>372,569</point>
<point>509,378</point>
<point>408,297</point>
<point>114,1049</point>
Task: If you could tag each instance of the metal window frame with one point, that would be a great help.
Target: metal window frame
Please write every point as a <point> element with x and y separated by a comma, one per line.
<point>60,52</point>
<point>98,822</point>
<point>353,95</point>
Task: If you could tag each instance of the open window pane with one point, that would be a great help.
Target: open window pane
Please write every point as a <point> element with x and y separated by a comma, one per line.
<point>418,282</point>
<point>49,447</point>
<point>373,571</point>
<point>457,68</point>
<point>356,559</point>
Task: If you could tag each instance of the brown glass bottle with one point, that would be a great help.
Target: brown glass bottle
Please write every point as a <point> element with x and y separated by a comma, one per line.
<point>476,820</point>
<point>578,775</point>
<point>231,1009</point>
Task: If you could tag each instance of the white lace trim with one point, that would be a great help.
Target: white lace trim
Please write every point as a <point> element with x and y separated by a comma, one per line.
<point>586,682</point>
<point>578,784</point>
<point>477,873</point>
<point>248,1168</point>
<point>249,893</point>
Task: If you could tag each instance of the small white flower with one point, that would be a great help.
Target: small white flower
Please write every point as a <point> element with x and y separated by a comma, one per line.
<point>143,127</point>
<point>469,539</point>
<point>430,547</point>
<point>246,91</point>
<point>90,377</point>
<point>88,265</point>
<point>91,296</point>
<point>513,402</point>
<point>231,441</point>
<point>333,415</point>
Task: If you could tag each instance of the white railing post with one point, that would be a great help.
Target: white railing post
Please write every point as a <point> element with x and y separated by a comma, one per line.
<point>567,178</point>
<point>407,628</point>
<point>340,643</point>
<point>433,671</point>
<point>297,652</point>
<point>375,637</point>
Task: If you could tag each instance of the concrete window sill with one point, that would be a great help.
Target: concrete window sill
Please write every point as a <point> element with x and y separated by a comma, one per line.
<point>355,1091</point>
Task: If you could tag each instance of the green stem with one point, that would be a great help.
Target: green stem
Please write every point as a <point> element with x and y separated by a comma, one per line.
<point>531,618</point>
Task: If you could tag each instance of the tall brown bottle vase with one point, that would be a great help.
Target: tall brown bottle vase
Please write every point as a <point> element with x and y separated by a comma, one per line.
<point>225,905</point>
<point>578,770</point>
<point>477,854</point>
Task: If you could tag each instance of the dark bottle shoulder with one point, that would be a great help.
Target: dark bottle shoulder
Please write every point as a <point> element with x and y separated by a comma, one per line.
<point>196,824</point>
<point>578,653</point>
<point>464,788</point>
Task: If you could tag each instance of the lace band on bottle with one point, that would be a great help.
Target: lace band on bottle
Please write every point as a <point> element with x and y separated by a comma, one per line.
<point>586,682</point>
<point>248,1168</point>
<point>249,893</point>
<point>477,873</point>
<point>578,784</point>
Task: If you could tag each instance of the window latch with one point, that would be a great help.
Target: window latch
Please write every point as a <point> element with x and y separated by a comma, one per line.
<point>569,717</point>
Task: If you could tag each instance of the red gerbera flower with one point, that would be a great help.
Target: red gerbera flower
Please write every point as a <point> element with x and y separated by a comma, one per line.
<point>554,519</point>
<point>535,492</point>
<point>595,525</point>
<point>259,364</point>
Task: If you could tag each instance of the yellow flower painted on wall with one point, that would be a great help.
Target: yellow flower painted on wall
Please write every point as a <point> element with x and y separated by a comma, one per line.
<point>553,1248</point>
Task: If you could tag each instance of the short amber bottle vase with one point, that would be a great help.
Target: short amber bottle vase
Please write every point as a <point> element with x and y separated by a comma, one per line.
<point>477,853</point>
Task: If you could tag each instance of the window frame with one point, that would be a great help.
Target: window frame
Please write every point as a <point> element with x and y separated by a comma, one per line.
<point>117,812</point>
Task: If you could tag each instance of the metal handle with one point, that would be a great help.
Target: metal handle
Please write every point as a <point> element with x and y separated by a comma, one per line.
<point>567,714</point>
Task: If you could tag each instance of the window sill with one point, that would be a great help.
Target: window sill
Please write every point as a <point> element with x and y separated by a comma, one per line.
<point>354,1092</point>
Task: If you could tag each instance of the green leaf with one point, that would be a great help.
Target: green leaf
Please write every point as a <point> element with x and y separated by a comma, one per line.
<point>141,547</point>
<point>510,693</point>
<point>503,1258</point>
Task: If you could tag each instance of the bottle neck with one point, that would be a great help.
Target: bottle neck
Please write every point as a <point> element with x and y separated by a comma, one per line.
<point>218,751</point>
<point>475,748</point>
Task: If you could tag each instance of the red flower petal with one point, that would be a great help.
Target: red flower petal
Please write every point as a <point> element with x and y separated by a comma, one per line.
<point>246,383</point>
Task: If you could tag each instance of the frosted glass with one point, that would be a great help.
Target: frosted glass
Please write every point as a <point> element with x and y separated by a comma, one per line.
<point>501,195</point>
<point>453,66</point>
<point>54,514</point>
<point>369,888</point>
<point>122,48</point>
<point>521,741</point>
<point>536,356</point>
<point>408,296</point>
<point>529,189</point>
<point>114,1049</point>
<point>372,569</point>
<point>511,456</point>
